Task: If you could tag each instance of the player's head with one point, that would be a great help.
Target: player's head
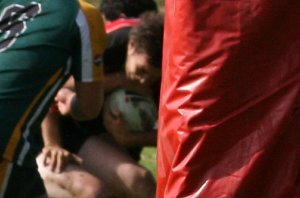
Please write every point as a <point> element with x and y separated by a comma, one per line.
<point>112,9</point>
<point>144,53</point>
<point>134,8</point>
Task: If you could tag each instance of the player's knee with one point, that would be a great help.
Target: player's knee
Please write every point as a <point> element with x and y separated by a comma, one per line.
<point>93,191</point>
<point>90,189</point>
<point>144,184</point>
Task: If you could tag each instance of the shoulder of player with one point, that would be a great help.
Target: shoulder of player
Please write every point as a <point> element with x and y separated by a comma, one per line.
<point>89,10</point>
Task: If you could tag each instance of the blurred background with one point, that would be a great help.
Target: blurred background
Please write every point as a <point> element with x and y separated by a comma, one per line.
<point>160,3</point>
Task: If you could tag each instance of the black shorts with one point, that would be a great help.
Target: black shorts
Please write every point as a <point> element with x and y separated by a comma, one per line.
<point>75,133</point>
<point>21,181</point>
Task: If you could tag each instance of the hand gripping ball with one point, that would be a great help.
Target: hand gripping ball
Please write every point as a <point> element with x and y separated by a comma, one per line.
<point>138,111</point>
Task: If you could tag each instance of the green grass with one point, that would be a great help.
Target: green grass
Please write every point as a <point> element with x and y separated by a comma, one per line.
<point>148,159</point>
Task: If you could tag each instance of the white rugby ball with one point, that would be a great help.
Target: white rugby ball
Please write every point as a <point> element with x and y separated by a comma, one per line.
<point>139,112</point>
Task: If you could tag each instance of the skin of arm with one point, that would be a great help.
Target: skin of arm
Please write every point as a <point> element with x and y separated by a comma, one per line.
<point>50,130</point>
<point>89,100</point>
<point>117,80</point>
<point>114,81</point>
<point>83,104</point>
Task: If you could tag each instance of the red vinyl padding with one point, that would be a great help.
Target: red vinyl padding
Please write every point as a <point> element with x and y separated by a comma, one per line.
<point>229,118</point>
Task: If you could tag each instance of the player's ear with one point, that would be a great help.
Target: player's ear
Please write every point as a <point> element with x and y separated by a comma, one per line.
<point>130,47</point>
<point>123,15</point>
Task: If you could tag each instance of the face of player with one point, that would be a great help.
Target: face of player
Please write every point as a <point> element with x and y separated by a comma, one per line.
<point>138,68</point>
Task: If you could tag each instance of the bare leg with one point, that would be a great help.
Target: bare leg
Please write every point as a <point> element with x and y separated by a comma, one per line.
<point>121,174</point>
<point>73,182</point>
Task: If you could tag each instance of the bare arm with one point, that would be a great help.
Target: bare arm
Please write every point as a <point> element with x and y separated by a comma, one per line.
<point>114,81</point>
<point>82,104</point>
<point>50,130</point>
<point>89,100</point>
<point>119,80</point>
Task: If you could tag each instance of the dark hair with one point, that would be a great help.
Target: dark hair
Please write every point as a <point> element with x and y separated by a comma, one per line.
<point>147,37</point>
<point>112,9</point>
<point>134,8</point>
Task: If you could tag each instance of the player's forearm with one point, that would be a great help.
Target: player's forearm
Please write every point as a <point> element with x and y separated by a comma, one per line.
<point>88,101</point>
<point>50,130</point>
<point>114,81</point>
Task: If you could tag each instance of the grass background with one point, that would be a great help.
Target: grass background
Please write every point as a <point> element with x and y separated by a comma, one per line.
<point>148,159</point>
<point>148,156</point>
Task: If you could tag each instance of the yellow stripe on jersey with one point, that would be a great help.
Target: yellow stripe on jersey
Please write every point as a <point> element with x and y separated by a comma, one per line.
<point>16,135</point>
<point>3,171</point>
<point>97,37</point>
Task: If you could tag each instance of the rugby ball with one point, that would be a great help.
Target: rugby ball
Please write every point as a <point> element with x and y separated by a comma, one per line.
<point>139,112</point>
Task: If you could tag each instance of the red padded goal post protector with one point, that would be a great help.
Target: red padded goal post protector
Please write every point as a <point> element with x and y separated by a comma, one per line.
<point>229,122</point>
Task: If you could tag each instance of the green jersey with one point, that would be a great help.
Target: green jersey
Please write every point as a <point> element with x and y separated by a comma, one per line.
<point>42,42</point>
